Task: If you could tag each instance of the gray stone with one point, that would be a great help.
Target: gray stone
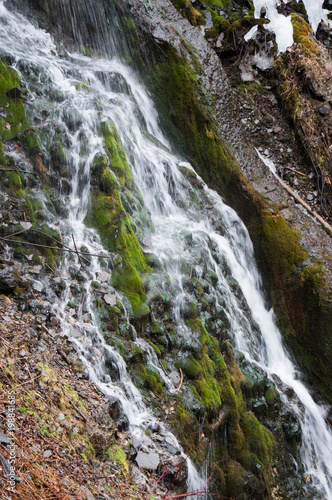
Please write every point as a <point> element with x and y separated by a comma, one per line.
<point>149,461</point>
<point>61,416</point>
<point>47,454</point>
<point>8,278</point>
<point>310,197</point>
<point>324,109</point>
<point>38,286</point>
<point>55,321</point>
<point>110,299</point>
<point>89,495</point>
<point>26,225</point>
<point>175,377</point>
<point>4,439</point>
<point>138,478</point>
<point>104,277</point>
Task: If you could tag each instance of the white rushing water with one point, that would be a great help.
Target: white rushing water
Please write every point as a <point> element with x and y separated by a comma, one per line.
<point>178,213</point>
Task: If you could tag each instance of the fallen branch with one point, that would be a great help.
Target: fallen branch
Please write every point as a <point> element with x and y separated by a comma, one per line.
<point>296,171</point>
<point>7,240</point>
<point>78,411</point>
<point>325,224</point>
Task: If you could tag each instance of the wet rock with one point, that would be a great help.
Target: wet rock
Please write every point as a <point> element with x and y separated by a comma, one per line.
<point>177,472</point>
<point>103,277</point>
<point>149,461</point>
<point>324,109</point>
<point>14,93</point>
<point>9,279</point>
<point>115,411</point>
<point>38,286</point>
<point>55,321</point>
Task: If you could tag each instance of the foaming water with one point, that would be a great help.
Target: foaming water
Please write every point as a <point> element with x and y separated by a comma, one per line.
<point>185,224</point>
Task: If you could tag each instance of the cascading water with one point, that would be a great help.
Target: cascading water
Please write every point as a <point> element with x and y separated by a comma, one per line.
<point>184,225</point>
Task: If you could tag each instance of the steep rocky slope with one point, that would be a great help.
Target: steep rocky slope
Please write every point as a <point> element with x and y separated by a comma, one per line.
<point>241,411</point>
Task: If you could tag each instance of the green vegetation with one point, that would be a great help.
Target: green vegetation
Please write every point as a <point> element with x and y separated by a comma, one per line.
<point>111,174</point>
<point>15,120</point>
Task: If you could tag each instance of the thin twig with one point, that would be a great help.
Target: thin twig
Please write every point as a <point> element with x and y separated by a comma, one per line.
<point>78,256</point>
<point>181,379</point>
<point>17,170</point>
<point>296,171</point>
<point>55,248</point>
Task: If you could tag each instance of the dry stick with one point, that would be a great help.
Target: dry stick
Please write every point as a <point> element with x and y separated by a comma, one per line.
<point>78,256</point>
<point>55,248</point>
<point>181,380</point>
<point>325,224</point>
<point>78,411</point>
<point>17,170</point>
<point>296,171</point>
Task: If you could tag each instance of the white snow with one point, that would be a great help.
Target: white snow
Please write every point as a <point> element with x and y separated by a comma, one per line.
<point>281,25</point>
<point>269,163</point>
<point>251,33</point>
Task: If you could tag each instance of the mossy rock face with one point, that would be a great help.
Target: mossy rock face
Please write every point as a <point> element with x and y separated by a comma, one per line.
<point>111,175</point>
<point>117,157</point>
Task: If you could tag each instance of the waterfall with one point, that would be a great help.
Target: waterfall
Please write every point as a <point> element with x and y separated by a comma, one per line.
<point>184,225</point>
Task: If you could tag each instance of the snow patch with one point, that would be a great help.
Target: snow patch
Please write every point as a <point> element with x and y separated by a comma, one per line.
<point>251,33</point>
<point>281,25</point>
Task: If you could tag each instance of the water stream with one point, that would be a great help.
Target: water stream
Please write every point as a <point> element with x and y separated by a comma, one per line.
<point>185,225</point>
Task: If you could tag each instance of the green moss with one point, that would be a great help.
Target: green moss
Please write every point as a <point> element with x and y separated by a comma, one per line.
<point>304,36</point>
<point>128,281</point>
<point>258,439</point>
<point>58,158</point>
<point>15,120</point>
<point>189,11</point>
<point>190,367</point>
<point>81,86</point>
<point>313,278</point>
<point>15,185</point>
<point>186,427</point>
<point>32,143</point>
<point>116,154</point>
<point>3,161</point>
<point>107,214</point>
<point>282,247</point>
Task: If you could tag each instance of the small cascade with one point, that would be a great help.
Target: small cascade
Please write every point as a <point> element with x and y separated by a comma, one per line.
<point>183,224</point>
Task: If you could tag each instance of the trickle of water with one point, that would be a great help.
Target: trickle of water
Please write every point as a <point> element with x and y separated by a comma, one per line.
<point>186,225</point>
